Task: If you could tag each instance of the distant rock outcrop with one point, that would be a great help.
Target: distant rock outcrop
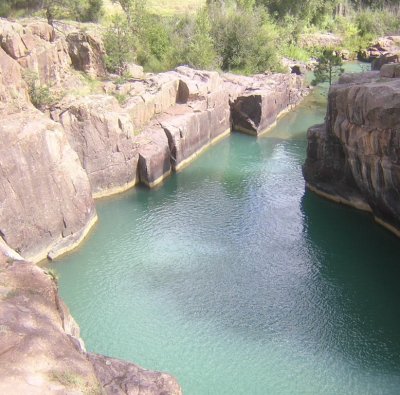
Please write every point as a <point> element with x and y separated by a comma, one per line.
<point>385,50</point>
<point>87,53</point>
<point>354,158</point>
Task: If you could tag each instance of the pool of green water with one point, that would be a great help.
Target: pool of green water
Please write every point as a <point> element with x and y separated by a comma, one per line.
<point>236,280</point>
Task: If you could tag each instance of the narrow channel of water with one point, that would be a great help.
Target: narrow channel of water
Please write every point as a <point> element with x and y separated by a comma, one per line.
<point>235,280</point>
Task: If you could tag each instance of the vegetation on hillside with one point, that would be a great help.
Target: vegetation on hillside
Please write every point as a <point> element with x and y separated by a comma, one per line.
<point>246,36</point>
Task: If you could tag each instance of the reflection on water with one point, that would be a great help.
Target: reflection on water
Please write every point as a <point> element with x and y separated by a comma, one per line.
<point>237,281</point>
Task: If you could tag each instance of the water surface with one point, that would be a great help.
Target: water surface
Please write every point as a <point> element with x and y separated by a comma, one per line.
<point>235,280</point>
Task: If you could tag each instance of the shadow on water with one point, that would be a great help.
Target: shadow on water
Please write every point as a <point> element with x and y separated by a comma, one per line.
<point>359,266</point>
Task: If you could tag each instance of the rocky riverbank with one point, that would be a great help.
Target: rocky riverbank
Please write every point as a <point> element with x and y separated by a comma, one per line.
<point>41,351</point>
<point>354,157</point>
<point>93,144</point>
<point>70,134</point>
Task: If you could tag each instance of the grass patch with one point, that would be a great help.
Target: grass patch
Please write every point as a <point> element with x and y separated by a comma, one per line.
<point>295,52</point>
<point>89,86</point>
<point>13,293</point>
<point>121,97</point>
<point>175,7</point>
<point>76,381</point>
<point>67,379</point>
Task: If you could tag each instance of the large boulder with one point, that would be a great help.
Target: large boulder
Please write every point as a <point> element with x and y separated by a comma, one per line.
<point>381,52</point>
<point>257,108</point>
<point>87,53</point>
<point>46,202</point>
<point>385,59</point>
<point>391,70</point>
<point>320,40</point>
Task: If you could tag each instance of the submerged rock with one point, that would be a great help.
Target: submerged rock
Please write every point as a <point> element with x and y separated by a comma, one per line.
<point>354,158</point>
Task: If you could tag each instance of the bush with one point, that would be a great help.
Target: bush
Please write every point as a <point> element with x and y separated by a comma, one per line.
<point>201,51</point>
<point>119,44</point>
<point>79,10</point>
<point>40,95</point>
<point>245,40</point>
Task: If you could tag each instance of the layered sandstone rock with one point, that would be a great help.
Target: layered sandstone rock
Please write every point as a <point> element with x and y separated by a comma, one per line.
<point>13,89</point>
<point>87,53</point>
<point>41,351</point>
<point>103,136</point>
<point>354,157</point>
<point>262,101</point>
<point>173,117</point>
<point>123,378</point>
<point>36,48</point>
<point>46,202</point>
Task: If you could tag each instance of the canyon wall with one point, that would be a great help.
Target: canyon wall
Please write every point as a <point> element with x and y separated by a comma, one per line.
<point>92,137</point>
<point>85,144</point>
<point>354,157</point>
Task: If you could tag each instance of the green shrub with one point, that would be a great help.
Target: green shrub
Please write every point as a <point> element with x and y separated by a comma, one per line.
<point>119,44</point>
<point>245,40</point>
<point>295,52</point>
<point>41,96</point>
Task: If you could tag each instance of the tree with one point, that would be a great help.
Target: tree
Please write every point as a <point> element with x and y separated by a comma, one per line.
<point>201,52</point>
<point>329,67</point>
<point>135,12</point>
<point>119,44</point>
<point>80,10</point>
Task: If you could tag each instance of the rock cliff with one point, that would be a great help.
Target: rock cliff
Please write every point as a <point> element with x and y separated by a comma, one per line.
<point>354,158</point>
<point>94,138</point>
<point>46,201</point>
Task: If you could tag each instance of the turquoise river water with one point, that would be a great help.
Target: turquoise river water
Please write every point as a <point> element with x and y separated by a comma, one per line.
<point>234,279</point>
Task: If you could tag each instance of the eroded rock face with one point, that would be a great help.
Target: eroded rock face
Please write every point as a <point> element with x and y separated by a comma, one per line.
<point>41,351</point>
<point>103,136</point>
<point>186,110</point>
<point>46,203</point>
<point>354,157</point>
<point>257,108</point>
<point>36,48</point>
<point>87,53</point>
<point>13,89</point>
<point>38,354</point>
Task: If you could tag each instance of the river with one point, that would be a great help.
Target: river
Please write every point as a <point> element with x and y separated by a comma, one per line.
<point>236,280</point>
